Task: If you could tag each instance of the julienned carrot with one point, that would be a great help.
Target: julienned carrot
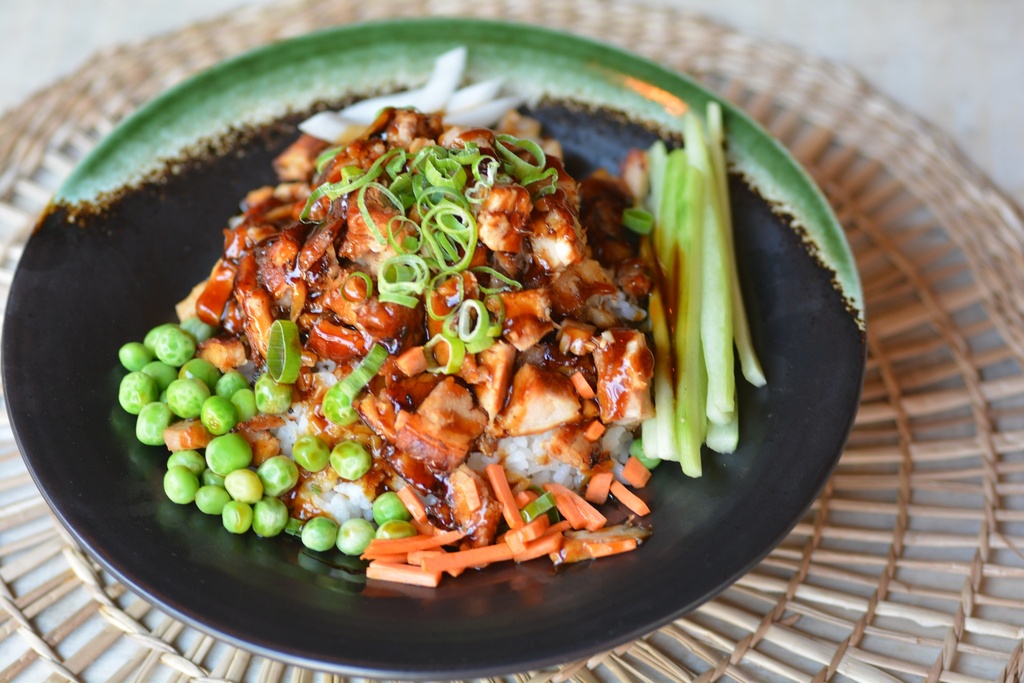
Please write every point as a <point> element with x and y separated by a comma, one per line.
<point>558,527</point>
<point>390,546</point>
<point>636,473</point>
<point>583,387</point>
<point>597,488</point>
<point>416,556</point>
<point>499,484</point>
<point>525,497</point>
<point>518,538</point>
<point>413,504</point>
<point>580,550</point>
<point>402,573</point>
<point>545,545</point>
<point>425,528</point>
<point>594,430</point>
<point>629,499</point>
<point>389,558</point>
<point>465,559</point>
<point>580,513</point>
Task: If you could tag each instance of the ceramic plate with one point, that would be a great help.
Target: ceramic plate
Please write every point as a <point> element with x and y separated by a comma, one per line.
<point>84,287</point>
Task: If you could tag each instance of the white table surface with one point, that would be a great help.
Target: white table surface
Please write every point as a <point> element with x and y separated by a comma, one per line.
<point>958,63</point>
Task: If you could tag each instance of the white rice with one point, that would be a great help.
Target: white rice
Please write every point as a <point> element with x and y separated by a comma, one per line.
<point>524,457</point>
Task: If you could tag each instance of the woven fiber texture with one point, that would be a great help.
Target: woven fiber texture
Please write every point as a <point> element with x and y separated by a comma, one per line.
<point>909,567</point>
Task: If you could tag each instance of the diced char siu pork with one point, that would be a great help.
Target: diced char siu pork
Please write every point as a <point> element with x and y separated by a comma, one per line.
<point>625,367</point>
<point>540,400</point>
<point>443,428</point>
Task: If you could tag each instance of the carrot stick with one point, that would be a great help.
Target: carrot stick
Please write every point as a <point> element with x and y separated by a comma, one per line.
<point>583,387</point>
<point>412,362</point>
<point>385,546</point>
<point>402,573</point>
<point>525,497</point>
<point>545,545</point>
<point>499,484</point>
<point>629,499</point>
<point>606,548</point>
<point>416,557</point>
<point>425,528</point>
<point>594,430</point>
<point>518,538</point>
<point>597,488</point>
<point>464,559</point>
<point>635,473</point>
<point>558,528</point>
<point>580,513</point>
<point>389,558</point>
<point>413,504</point>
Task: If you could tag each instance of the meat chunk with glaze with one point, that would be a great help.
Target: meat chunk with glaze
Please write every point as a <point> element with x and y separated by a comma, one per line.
<point>495,365</point>
<point>625,367</point>
<point>503,218</point>
<point>527,316</point>
<point>540,400</point>
<point>443,428</point>
<point>475,508</point>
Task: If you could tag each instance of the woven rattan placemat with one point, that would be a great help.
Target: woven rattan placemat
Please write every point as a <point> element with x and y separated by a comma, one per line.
<point>910,566</point>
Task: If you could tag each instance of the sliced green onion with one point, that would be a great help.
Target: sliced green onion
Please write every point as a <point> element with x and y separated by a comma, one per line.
<point>473,324</point>
<point>639,221</point>
<point>550,175</point>
<point>371,224</point>
<point>460,292</point>
<point>538,506</point>
<point>487,270</point>
<point>402,279</point>
<point>518,167</point>
<point>446,173</point>
<point>284,352</point>
<point>337,402</point>
<point>357,275</point>
<point>348,184</point>
<point>325,157</point>
<point>456,354</point>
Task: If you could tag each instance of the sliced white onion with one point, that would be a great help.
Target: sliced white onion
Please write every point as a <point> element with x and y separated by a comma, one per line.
<point>331,127</point>
<point>448,70</point>
<point>475,105</point>
<point>473,95</point>
<point>485,115</point>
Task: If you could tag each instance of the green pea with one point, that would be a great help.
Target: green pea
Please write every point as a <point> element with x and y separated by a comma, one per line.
<point>389,506</point>
<point>351,460</point>
<point>186,396</point>
<point>272,398</point>
<point>200,368</point>
<point>320,533</point>
<point>636,449</point>
<point>180,485</point>
<point>396,528</point>
<point>174,346</point>
<point>244,486</point>
<point>150,340</point>
<point>354,535</point>
<point>199,330</point>
<point>311,453</point>
<point>218,415</point>
<point>227,453</point>
<point>244,401</point>
<point>230,382</point>
<point>211,478</point>
<point>190,460</point>
<point>278,474</point>
<point>163,373</point>
<point>211,499</point>
<point>269,517</point>
<point>153,419</point>
<point>134,356</point>
<point>136,390</point>
<point>236,517</point>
